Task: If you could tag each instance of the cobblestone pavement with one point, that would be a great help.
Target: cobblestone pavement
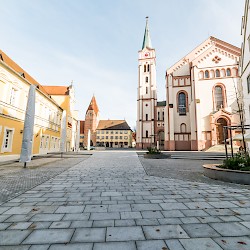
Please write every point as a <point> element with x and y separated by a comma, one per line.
<point>14,179</point>
<point>107,202</point>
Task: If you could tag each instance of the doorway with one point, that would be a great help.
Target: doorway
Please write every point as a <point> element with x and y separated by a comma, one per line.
<point>221,122</point>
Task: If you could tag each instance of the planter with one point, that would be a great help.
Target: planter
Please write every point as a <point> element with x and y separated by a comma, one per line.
<point>228,175</point>
<point>156,156</point>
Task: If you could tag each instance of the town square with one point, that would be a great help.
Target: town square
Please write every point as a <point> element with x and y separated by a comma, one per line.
<point>125,125</point>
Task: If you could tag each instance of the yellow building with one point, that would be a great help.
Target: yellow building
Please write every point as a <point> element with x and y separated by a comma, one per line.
<point>65,97</point>
<point>14,87</point>
<point>114,134</point>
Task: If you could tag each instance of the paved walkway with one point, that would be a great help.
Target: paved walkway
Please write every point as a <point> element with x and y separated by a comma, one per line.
<point>107,202</point>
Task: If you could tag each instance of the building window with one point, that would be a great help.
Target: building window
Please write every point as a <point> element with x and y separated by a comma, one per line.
<point>125,132</point>
<point>121,132</point>
<point>146,90</point>
<point>111,132</point>
<point>146,79</point>
<point>218,95</point>
<point>148,67</point>
<point>182,103</point>
<point>217,73</point>
<point>145,68</point>
<point>228,72</point>
<point>146,117</point>
<point>107,132</point>
<point>107,137</point>
<point>206,74</point>
<point>111,137</point>
<point>125,137</point>
<point>116,132</point>
<point>7,141</point>
<point>146,134</point>
<point>183,128</point>
<point>158,116</point>
<point>116,137</point>
<point>163,115</point>
<point>13,94</point>
<point>120,137</point>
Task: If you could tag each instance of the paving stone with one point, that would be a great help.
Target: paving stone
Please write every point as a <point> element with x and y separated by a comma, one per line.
<point>47,217</point>
<point>60,224</point>
<point>170,221</point>
<point>164,232</point>
<point>18,210</point>
<point>200,244</point>
<point>150,245</point>
<point>189,220</point>
<point>15,247</point>
<point>89,235</point>
<point>4,217</point>
<point>145,207</point>
<point>20,225</point>
<point>198,205</point>
<point>115,246</point>
<point>174,245</point>
<point>151,214</point>
<point>146,222</point>
<point>40,225</point>
<point>229,218</point>
<point>230,229</point>
<point>200,230</point>
<point>104,223</point>
<point>208,219</point>
<point>5,225</point>
<point>105,216</point>
<point>124,223</point>
<point>49,236</point>
<point>111,194</point>
<point>39,247</point>
<point>13,237</point>
<point>81,223</point>
<point>124,233</point>
<point>131,215</point>
<point>81,216</point>
<point>219,211</point>
<point>69,209</point>
<point>4,209</point>
<point>96,208</point>
<point>233,243</point>
<point>75,246</point>
<point>194,212</point>
<point>246,224</point>
<point>119,208</point>
<point>172,213</point>
<point>173,205</point>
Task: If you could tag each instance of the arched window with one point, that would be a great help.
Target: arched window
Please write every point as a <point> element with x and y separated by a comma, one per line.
<point>218,97</point>
<point>183,128</point>
<point>146,90</point>
<point>146,79</point>
<point>163,115</point>
<point>158,116</point>
<point>146,117</point>
<point>222,73</point>
<point>228,72</point>
<point>211,73</point>
<point>146,134</point>
<point>206,74</point>
<point>217,73</point>
<point>201,74</point>
<point>182,103</point>
<point>145,68</point>
<point>148,67</point>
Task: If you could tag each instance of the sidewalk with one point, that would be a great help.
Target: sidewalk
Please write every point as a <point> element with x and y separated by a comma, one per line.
<point>107,202</point>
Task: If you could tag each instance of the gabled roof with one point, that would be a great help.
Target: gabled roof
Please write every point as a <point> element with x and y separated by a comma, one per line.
<point>14,66</point>
<point>202,49</point>
<point>113,125</point>
<point>146,39</point>
<point>93,105</point>
<point>56,90</point>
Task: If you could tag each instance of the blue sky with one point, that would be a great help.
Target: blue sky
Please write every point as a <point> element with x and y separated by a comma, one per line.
<point>95,43</point>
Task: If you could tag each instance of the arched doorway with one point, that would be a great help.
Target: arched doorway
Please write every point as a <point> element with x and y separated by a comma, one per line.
<point>221,122</point>
<point>107,144</point>
<point>161,139</point>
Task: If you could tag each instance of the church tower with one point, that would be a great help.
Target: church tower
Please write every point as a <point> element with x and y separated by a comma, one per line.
<point>146,98</point>
<point>91,122</point>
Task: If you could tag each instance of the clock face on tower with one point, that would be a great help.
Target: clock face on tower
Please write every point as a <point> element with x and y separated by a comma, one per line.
<point>146,54</point>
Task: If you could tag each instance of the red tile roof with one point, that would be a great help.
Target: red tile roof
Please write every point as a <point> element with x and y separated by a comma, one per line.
<point>56,90</point>
<point>113,125</point>
<point>14,66</point>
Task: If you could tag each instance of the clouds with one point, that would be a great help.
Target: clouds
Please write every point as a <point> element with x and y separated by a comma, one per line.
<point>96,43</point>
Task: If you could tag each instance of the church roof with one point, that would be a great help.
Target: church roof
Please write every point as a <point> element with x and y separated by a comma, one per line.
<point>113,125</point>
<point>57,90</point>
<point>146,39</point>
<point>93,105</point>
<point>14,66</point>
<point>201,51</point>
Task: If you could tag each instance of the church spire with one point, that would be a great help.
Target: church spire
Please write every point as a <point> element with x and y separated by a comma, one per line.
<point>146,39</point>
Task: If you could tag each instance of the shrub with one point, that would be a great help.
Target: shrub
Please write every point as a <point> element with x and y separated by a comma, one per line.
<point>153,150</point>
<point>238,162</point>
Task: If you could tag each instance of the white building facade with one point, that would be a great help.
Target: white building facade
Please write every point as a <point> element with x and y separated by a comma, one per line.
<point>201,96</point>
